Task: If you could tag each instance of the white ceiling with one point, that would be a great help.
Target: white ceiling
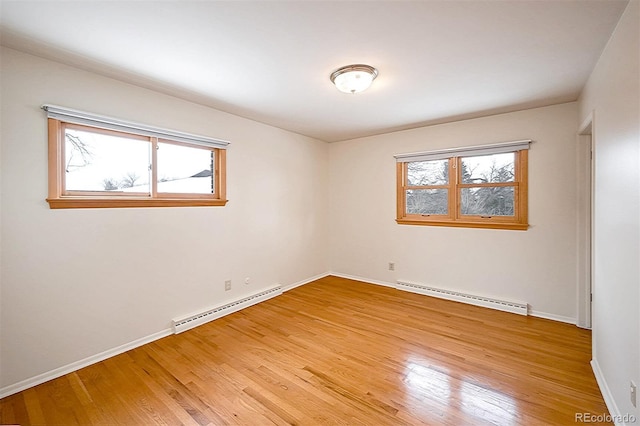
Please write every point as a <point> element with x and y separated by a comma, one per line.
<point>270,60</point>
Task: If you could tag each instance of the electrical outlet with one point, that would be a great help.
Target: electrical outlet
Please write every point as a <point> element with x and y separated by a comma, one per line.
<point>634,394</point>
<point>392,266</point>
<point>247,281</point>
<point>227,285</point>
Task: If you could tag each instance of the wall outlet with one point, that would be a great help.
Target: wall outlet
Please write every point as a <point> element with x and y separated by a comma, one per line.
<point>227,285</point>
<point>634,394</point>
<point>247,281</point>
<point>392,266</point>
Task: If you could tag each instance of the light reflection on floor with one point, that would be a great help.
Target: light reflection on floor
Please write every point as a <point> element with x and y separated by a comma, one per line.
<point>424,380</point>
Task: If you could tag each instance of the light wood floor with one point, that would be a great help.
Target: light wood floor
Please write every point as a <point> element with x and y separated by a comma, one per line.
<point>335,352</point>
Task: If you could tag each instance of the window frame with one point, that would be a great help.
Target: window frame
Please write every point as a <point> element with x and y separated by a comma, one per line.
<point>455,218</point>
<point>60,198</point>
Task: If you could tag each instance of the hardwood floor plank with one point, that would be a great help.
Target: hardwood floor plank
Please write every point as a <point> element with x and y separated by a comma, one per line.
<point>335,352</point>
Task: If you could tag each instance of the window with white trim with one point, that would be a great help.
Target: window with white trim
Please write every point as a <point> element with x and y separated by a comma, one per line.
<point>475,187</point>
<point>98,162</point>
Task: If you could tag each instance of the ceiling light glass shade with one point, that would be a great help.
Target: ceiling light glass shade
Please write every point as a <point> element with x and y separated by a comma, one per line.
<point>354,78</point>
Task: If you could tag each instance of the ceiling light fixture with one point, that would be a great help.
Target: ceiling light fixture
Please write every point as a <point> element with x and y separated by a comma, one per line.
<point>354,78</point>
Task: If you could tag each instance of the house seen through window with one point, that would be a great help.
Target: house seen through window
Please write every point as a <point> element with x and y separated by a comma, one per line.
<point>97,166</point>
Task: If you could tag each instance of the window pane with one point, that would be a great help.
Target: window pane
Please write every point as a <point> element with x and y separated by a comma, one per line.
<point>487,201</point>
<point>99,162</point>
<point>185,169</point>
<point>427,201</point>
<point>488,168</point>
<point>435,172</point>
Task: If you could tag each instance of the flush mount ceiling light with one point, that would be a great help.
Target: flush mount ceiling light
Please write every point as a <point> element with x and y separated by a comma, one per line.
<point>354,78</point>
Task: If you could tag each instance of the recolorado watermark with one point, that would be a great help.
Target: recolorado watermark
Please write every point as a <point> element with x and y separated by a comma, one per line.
<point>602,418</point>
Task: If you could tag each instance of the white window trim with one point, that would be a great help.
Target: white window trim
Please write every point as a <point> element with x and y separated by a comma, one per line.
<point>69,115</point>
<point>469,151</point>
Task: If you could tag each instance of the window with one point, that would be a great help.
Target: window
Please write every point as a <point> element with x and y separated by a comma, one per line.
<point>475,187</point>
<point>98,162</point>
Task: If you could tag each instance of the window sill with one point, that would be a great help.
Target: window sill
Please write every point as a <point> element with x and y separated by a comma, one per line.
<point>461,224</point>
<point>99,203</point>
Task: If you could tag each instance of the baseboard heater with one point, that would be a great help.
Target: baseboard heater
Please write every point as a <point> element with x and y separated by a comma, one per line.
<point>487,302</point>
<point>187,323</point>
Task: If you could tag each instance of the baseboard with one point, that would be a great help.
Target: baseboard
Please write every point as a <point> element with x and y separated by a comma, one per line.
<point>180,325</point>
<point>552,317</point>
<point>616,416</point>
<point>533,313</point>
<point>511,306</point>
<point>307,281</point>
<point>364,280</point>
<point>74,366</point>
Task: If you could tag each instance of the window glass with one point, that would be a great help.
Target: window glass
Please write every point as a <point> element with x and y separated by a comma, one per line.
<point>489,168</point>
<point>487,201</point>
<point>109,163</point>
<point>185,169</point>
<point>427,201</point>
<point>104,162</point>
<point>474,191</point>
<point>434,172</point>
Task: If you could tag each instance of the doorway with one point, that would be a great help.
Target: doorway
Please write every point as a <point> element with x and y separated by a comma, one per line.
<point>585,229</point>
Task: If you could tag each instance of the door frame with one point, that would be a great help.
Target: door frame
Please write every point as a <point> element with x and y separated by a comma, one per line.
<point>585,222</point>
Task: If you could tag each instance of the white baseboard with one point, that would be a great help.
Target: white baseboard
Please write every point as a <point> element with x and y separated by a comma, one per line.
<point>180,325</point>
<point>511,306</point>
<point>616,416</point>
<point>77,365</point>
<point>365,280</point>
<point>552,317</point>
<point>533,313</point>
<point>307,281</point>
<point>74,366</point>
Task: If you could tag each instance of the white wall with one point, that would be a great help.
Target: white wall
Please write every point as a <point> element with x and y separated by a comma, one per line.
<point>79,282</point>
<point>612,96</point>
<point>537,266</point>
<point>74,283</point>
